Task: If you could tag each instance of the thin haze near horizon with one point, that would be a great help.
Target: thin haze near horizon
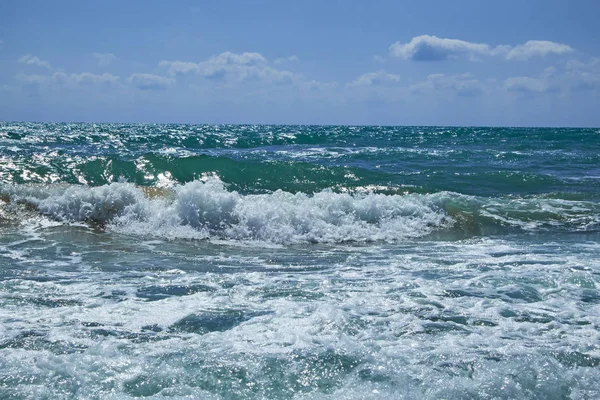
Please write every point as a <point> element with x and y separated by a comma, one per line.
<point>509,63</point>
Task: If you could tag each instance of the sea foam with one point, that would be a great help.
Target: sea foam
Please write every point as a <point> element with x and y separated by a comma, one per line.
<point>208,210</point>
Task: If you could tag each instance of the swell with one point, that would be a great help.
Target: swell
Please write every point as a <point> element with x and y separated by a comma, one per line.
<point>155,169</point>
<point>250,136</point>
<point>210,210</point>
<point>267,172</point>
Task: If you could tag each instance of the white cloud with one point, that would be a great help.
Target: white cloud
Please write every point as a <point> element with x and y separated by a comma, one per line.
<point>433,48</point>
<point>540,48</point>
<point>104,59</point>
<point>584,75</point>
<point>230,67</point>
<point>379,78</point>
<point>150,82</point>
<point>33,60</point>
<point>179,67</point>
<point>229,58</point>
<point>87,78</point>
<point>84,78</point>
<point>33,79</point>
<point>462,84</point>
<point>379,59</point>
<point>576,76</point>
<point>526,84</point>
<point>286,60</point>
<point>224,65</point>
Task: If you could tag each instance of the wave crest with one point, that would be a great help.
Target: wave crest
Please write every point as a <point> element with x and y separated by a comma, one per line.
<point>208,210</point>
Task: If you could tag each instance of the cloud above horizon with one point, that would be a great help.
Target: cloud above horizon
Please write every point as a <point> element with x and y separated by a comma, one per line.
<point>575,76</point>
<point>150,81</point>
<point>35,61</point>
<point>286,60</point>
<point>433,48</point>
<point>104,59</point>
<point>460,84</point>
<point>229,68</point>
<point>378,78</point>
<point>76,79</point>
<point>249,79</point>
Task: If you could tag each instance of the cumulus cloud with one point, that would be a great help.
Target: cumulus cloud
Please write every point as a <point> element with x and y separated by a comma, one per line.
<point>231,67</point>
<point>433,48</point>
<point>150,82</point>
<point>583,75</point>
<point>575,76</point>
<point>104,59</point>
<point>378,78</point>
<point>179,67</point>
<point>227,63</point>
<point>534,48</point>
<point>35,61</point>
<point>462,85</point>
<point>229,58</point>
<point>549,81</point>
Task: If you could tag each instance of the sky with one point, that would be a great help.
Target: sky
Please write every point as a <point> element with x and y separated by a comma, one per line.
<point>464,62</point>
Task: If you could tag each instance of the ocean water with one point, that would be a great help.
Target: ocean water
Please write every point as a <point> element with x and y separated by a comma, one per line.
<point>305,262</point>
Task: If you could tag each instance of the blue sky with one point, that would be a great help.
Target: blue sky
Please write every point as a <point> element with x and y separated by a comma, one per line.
<point>518,63</point>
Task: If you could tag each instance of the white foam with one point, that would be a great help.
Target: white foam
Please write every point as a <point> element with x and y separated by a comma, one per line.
<point>206,209</point>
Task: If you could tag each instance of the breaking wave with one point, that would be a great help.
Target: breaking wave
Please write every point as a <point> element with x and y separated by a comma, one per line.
<point>206,209</point>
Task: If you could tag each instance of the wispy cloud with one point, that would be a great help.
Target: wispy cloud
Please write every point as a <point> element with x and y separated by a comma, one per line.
<point>461,84</point>
<point>535,48</point>
<point>229,68</point>
<point>33,79</point>
<point>35,61</point>
<point>61,78</point>
<point>575,76</point>
<point>433,48</point>
<point>104,59</point>
<point>584,75</point>
<point>86,78</point>
<point>150,81</point>
<point>179,67</point>
<point>378,78</point>
<point>286,60</point>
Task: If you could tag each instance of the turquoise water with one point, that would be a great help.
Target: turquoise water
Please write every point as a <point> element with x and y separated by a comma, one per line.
<point>181,261</point>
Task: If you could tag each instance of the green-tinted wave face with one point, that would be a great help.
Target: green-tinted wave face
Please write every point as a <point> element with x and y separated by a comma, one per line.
<point>256,159</point>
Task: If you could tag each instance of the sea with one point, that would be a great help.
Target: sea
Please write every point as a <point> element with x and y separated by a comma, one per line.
<point>170,261</point>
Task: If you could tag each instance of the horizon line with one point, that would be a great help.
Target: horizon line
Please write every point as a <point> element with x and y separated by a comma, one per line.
<point>298,124</point>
